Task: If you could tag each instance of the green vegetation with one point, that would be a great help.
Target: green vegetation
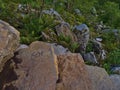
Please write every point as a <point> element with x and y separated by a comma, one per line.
<point>31,22</point>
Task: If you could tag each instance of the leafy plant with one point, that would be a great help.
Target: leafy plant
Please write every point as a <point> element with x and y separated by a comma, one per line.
<point>66,42</point>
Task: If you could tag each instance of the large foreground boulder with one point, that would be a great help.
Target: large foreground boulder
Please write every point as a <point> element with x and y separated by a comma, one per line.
<point>35,68</point>
<point>9,41</point>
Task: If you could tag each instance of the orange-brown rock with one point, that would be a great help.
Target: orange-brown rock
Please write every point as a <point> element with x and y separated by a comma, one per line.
<point>72,73</point>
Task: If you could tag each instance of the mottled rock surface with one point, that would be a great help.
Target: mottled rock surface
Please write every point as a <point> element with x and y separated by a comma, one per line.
<point>35,68</point>
<point>72,73</point>
<point>9,41</point>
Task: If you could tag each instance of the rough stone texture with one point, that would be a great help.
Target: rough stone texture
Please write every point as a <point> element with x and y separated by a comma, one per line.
<point>64,29</point>
<point>99,78</point>
<point>58,49</point>
<point>82,33</point>
<point>9,41</point>
<point>72,73</point>
<point>35,67</point>
<point>116,80</point>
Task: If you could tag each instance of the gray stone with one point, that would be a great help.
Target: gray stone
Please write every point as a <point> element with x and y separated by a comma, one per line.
<point>116,70</point>
<point>103,55</point>
<point>100,27</point>
<point>90,57</point>
<point>97,46</point>
<point>82,28</point>
<point>24,9</point>
<point>98,39</point>
<point>82,33</point>
<point>58,49</point>
<point>116,80</point>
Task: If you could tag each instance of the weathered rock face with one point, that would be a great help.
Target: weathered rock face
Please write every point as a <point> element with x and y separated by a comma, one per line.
<point>116,80</point>
<point>9,41</point>
<point>100,79</point>
<point>72,73</point>
<point>35,68</point>
<point>64,29</point>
